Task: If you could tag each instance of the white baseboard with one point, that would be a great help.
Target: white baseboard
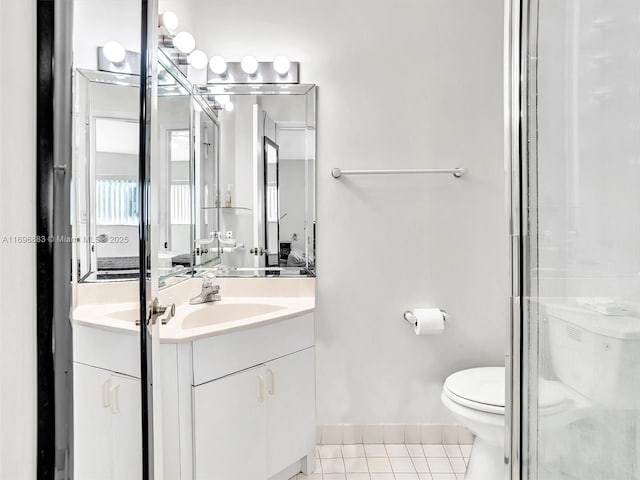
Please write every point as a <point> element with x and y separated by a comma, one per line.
<point>394,434</point>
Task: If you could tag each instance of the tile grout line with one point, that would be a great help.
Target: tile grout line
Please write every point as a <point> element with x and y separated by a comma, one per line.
<point>425,461</point>
<point>388,457</point>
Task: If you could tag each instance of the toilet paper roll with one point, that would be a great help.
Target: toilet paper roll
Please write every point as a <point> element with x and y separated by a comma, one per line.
<point>428,321</point>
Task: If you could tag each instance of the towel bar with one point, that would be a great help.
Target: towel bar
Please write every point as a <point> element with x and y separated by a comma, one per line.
<point>457,172</point>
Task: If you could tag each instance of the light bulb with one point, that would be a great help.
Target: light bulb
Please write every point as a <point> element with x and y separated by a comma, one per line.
<point>197,59</point>
<point>184,42</point>
<point>222,99</point>
<point>249,65</point>
<point>281,65</point>
<point>169,20</point>
<point>114,52</point>
<point>229,107</point>
<point>218,65</point>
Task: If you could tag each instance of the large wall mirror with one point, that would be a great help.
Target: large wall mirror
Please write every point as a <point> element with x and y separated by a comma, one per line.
<point>106,210</point>
<point>267,178</point>
<point>106,166</point>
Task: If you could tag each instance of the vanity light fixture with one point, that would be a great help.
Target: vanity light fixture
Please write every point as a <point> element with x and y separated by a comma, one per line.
<point>229,107</point>
<point>168,20</point>
<point>249,65</point>
<point>281,65</point>
<point>114,52</point>
<point>218,65</point>
<point>184,42</point>
<point>249,71</point>
<point>197,59</point>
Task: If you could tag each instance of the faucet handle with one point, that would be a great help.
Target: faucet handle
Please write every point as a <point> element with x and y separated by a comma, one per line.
<point>208,278</point>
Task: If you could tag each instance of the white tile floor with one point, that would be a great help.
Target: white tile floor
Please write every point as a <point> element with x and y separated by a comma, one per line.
<point>390,462</point>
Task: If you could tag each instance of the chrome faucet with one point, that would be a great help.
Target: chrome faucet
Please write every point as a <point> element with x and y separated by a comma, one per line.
<point>209,293</point>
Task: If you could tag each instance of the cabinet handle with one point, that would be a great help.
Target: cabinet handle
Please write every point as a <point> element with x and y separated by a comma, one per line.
<point>115,404</point>
<point>271,387</point>
<point>106,394</point>
<point>260,389</point>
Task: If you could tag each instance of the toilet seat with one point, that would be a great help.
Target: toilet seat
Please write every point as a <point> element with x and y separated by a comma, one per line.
<point>481,389</point>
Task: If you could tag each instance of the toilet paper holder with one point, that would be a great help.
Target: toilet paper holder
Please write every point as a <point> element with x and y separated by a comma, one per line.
<point>410,317</point>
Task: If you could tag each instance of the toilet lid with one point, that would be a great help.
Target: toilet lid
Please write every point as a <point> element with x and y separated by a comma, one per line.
<point>484,385</point>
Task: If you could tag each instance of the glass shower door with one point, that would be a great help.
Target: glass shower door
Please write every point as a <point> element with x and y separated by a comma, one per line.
<point>581,248</point>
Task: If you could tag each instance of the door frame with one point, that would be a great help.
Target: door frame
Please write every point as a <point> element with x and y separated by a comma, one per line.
<point>268,141</point>
<point>53,225</point>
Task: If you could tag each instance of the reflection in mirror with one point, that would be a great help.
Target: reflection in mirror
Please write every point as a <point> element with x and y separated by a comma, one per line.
<point>272,203</point>
<point>106,211</point>
<point>267,166</point>
<point>174,168</point>
<point>207,147</point>
<point>115,203</point>
<point>106,199</point>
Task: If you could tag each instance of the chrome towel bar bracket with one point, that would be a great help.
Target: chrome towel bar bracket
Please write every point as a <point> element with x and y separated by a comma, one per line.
<point>457,172</point>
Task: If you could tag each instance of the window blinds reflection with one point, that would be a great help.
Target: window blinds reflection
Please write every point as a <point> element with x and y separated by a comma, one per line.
<point>117,202</point>
<point>180,204</point>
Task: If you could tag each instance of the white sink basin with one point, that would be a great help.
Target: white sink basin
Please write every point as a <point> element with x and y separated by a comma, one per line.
<point>128,315</point>
<point>215,313</point>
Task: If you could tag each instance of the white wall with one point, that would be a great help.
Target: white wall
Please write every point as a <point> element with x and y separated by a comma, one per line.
<point>410,83</point>
<point>17,262</point>
<point>97,22</point>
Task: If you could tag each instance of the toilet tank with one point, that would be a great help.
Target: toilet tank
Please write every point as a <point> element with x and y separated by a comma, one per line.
<point>596,355</point>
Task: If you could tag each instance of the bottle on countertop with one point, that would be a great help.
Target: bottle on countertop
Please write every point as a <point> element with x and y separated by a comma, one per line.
<point>228,202</point>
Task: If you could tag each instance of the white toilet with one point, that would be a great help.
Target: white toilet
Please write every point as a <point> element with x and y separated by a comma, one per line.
<point>604,377</point>
<point>475,397</point>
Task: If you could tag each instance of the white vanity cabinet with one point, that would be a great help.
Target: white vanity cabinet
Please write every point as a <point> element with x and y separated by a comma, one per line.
<point>248,411</point>
<point>107,424</point>
<point>235,403</point>
<point>255,423</point>
<point>229,427</point>
<point>291,408</point>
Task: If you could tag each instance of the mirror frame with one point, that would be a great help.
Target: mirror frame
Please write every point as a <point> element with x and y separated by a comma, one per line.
<point>267,142</point>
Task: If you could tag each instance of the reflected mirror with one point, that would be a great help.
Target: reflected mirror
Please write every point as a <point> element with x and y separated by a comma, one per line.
<point>207,147</point>
<point>271,203</point>
<point>106,210</point>
<point>267,171</point>
<point>106,166</point>
<point>174,168</point>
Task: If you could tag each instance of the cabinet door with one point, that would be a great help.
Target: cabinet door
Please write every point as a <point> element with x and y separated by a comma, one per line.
<point>92,423</point>
<point>126,417</point>
<point>291,409</point>
<point>230,427</point>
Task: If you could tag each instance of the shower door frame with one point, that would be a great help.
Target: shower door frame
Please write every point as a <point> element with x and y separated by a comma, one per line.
<point>521,154</point>
<point>54,128</point>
